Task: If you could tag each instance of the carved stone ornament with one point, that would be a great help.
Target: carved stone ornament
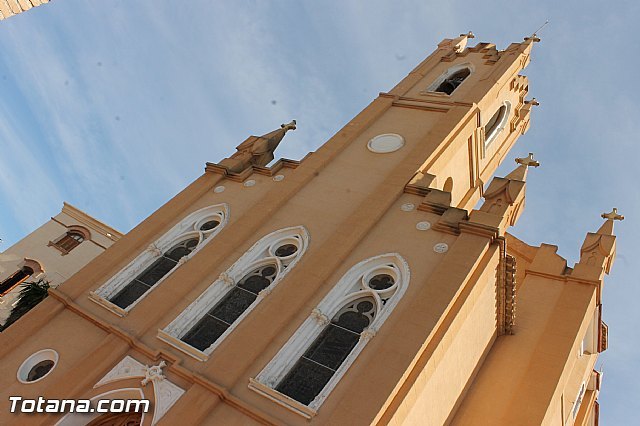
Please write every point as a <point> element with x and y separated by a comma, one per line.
<point>319,316</point>
<point>153,373</point>
<point>226,279</point>
<point>368,333</point>
<point>166,392</point>
<point>441,248</point>
<point>154,249</point>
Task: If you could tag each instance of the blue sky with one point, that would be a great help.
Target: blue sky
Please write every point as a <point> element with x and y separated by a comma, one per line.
<point>115,106</point>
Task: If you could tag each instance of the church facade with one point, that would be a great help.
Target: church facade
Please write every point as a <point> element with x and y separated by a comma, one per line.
<point>359,285</point>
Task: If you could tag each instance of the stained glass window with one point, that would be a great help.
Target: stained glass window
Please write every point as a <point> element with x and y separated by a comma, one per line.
<point>328,351</point>
<point>150,276</point>
<point>230,307</point>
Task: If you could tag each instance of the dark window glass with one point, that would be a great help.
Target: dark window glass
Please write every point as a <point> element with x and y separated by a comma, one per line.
<point>286,250</point>
<point>15,279</point>
<point>381,282</point>
<point>39,370</point>
<point>229,309</point>
<point>328,351</point>
<point>232,305</point>
<point>150,276</point>
<point>209,225</point>
<point>305,381</point>
<point>130,294</point>
<point>492,125</point>
<point>453,81</point>
<point>206,331</point>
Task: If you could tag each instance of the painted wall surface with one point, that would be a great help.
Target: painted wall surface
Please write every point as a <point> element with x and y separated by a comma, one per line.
<point>433,360</point>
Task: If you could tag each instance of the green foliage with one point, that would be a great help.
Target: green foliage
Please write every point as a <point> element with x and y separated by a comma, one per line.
<point>31,294</point>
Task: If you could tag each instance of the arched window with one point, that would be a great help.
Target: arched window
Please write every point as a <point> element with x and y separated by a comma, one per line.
<point>217,311</point>
<point>17,278</point>
<point>71,240</point>
<point>120,293</point>
<point>312,362</point>
<point>496,123</point>
<point>229,309</point>
<point>451,79</point>
<point>328,351</point>
<point>452,82</point>
<point>158,269</point>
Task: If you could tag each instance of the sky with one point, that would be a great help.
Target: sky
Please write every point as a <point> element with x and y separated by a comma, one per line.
<point>115,106</point>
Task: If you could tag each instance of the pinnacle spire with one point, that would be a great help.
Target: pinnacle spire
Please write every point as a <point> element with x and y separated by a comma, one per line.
<point>257,150</point>
<point>607,226</point>
<point>520,172</point>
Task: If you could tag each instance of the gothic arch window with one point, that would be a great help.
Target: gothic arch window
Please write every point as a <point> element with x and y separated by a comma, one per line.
<point>449,81</point>
<point>496,123</point>
<point>312,362</point>
<point>216,312</point>
<point>17,278</point>
<point>154,273</point>
<point>124,290</point>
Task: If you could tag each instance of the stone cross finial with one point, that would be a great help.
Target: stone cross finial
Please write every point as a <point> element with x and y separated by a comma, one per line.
<point>612,215</point>
<point>528,161</point>
<point>289,126</point>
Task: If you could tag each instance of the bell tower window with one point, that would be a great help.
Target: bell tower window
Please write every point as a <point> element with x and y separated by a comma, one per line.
<point>452,81</point>
<point>496,123</point>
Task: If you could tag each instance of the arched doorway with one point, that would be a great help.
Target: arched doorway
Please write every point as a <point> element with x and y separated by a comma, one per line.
<point>117,419</point>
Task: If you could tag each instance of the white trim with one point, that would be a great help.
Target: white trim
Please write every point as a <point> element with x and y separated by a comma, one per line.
<point>260,254</point>
<point>501,125</point>
<point>578,402</point>
<point>450,71</point>
<point>351,286</point>
<point>188,227</point>
<point>42,355</point>
<point>385,143</point>
<point>81,419</point>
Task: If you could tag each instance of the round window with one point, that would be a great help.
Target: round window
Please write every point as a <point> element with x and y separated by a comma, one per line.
<point>386,143</point>
<point>37,366</point>
<point>209,225</point>
<point>286,250</point>
<point>381,282</point>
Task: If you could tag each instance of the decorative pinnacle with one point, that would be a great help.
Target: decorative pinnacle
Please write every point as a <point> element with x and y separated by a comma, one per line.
<point>289,126</point>
<point>612,215</point>
<point>533,102</point>
<point>534,37</point>
<point>470,34</point>
<point>528,161</point>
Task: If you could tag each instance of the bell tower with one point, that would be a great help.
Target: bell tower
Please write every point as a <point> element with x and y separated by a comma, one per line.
<point>356,286</point>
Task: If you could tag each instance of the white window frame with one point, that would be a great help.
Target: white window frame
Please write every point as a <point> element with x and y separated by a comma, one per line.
<point>578,401</point>
<point>350,287</point>
<point>501,125</point>
<point>187,228</point>
<point>262,253</point>
<point>589,343</point>
<point>450,71</point>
